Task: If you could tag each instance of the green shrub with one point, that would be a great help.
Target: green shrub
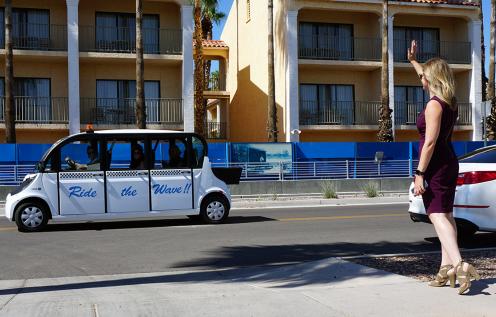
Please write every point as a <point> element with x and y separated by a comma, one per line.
<point>328,190</point>
<point>371,190</point>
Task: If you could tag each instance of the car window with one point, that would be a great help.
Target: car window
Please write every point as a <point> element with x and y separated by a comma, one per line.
<point>126,154</point>
<point>170,153</point>
<point>80,156</point>
<point>198,152</point>
<point>485,155</point>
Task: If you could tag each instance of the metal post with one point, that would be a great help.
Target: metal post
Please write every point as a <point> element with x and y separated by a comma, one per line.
<point>379,169</point>
<point>281,171</point>
<point>314,169</point>
<point>410,167</point>
<point>347,169</point>
<point>246,170</point>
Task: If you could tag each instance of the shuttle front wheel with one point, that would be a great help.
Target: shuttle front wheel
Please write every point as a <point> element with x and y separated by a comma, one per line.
<point>31,217</point>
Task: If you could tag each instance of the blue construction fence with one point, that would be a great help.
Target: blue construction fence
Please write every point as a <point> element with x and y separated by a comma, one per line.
<point>222,153</point>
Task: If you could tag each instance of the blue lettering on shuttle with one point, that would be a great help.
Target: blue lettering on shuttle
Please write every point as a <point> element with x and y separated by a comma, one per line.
<point>78,191</point>
<point>159,189</point>
<point>129,191</point>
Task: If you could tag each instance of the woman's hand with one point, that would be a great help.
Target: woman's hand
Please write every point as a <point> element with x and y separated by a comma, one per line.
<point>412,52</point>
<point>419,185</point>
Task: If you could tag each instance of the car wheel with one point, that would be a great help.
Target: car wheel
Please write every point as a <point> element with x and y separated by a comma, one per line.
<point>465,231</point>
<point>214,209</point>
<point>31,217</point>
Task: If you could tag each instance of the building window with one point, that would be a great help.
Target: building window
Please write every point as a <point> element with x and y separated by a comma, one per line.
<point>116,99</point>
<point>248,11</point>
<point>326,104</point>
<point>116,32</point>
<point>427,39</point>
<point>409,101</point>
<point>326,41</point>
<point>30,29</point>
<point>32,99</point>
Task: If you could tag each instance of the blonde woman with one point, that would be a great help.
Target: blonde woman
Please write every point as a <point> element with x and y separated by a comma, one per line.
<point>435,177</point>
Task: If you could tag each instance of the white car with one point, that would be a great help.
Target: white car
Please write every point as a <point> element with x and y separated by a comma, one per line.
<point>475,199</point>
<point>122,174</point>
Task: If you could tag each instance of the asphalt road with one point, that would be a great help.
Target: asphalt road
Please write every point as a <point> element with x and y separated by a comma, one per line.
<point>250,238</point>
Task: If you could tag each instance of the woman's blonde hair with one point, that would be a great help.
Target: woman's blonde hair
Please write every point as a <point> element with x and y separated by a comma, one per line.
<point>441,80</point>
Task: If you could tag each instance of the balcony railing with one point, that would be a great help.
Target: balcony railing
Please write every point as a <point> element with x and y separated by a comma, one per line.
<point>339,48</point>
<point>42,37</point>
<point>339,113</point>
<point>123,40</point>
<point>406,113</point>
<point>452,52</point>
<point>116,111</point>
<point>38,110</point>
<point>216,130</point>
<point>216,84</point>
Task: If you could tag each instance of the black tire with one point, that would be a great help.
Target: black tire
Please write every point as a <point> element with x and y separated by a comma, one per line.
<point>214,209</point>
<point>465,232</point>
<point>34,210</point>
<point>466,229</point>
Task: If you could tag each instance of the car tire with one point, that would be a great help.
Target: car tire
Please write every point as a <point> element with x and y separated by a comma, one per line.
<point>214,209</point>
<point>465,232</point>
<point>31,217</point>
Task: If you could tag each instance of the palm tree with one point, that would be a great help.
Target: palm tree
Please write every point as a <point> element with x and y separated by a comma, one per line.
<point>199,72</point>
<point>483,56</point>
<point>210,15</point>
<point>10,111</point>
<point>491,120</point>
<point>271,104</point>
<point>385,123</point>
<point>140,80</point>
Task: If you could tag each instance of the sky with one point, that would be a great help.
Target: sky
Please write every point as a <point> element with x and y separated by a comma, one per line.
<point>225,6</point>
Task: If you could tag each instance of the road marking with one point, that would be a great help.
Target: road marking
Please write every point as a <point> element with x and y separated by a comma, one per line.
<point>8,229</point>
<point>341,217</point>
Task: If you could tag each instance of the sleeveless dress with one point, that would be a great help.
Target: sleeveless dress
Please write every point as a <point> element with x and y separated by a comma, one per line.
<point>442,171</point>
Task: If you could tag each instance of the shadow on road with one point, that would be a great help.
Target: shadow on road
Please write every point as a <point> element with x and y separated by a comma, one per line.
<point>148,223</point>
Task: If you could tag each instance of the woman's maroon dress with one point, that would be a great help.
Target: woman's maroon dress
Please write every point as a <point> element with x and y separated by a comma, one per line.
<point>442,171</point>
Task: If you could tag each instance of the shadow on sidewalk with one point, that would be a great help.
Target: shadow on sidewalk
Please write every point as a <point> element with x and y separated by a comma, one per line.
<point>284,266</point>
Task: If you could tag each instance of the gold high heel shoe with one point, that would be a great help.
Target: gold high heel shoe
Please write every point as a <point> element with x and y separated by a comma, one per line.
<point>464,277</point>
<point>443,276</point>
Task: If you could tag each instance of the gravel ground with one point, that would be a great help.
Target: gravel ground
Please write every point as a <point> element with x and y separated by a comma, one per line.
<point>424,267</point>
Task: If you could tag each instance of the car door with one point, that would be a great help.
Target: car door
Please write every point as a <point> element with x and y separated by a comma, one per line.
<point>127,177</point>
<point>81,179</point>
<point>171,183</point>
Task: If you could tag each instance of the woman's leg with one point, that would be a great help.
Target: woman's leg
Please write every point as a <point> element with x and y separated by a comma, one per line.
<point>446,231</point>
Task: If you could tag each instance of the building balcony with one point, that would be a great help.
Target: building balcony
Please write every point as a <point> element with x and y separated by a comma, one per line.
<point>38,110</point>
<point>340,113</point>
<point>406,113</point>
<point>164,112</point>
<point>339,48</point>
<point>216,130</point>
<point>452,52</point>
<point>123,40</point>
<point>37,37</point>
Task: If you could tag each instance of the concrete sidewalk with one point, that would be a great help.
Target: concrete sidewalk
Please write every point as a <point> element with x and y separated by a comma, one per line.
<point>330,287</point>
<point>301,201</point>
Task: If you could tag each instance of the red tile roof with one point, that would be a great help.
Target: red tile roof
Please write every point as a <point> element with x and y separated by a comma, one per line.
<point>452,2</point>
<point>213,43</point>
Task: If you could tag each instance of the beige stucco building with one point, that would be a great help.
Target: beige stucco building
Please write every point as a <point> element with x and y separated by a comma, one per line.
<point>328,66</point>
<point>74,64</point>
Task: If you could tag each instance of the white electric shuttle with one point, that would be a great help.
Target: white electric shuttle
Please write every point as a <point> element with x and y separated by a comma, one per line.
<point>122,174</point>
